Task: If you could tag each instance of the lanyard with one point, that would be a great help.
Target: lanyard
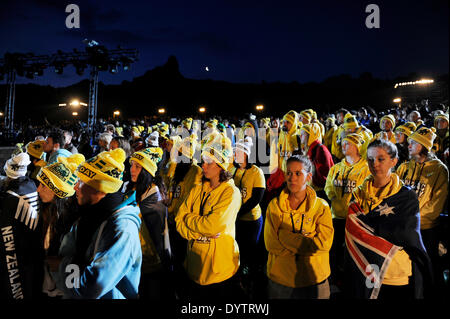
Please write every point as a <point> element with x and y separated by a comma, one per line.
<point>203,202</point>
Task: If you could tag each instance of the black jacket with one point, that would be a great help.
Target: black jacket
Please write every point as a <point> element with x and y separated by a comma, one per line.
<point>21,251</point>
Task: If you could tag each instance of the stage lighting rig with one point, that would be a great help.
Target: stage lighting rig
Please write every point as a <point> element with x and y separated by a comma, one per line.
<point>96,56</point>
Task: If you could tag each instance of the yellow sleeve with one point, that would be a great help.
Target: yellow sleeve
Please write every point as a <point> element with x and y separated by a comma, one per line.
<point>438,195</point>
<point>271,228</point>
<point>401,169</point>
<point>320,240</point>
<point>329,187</point>
<point>215,222</point>
<point>183,211</point>
<point>259,180</point>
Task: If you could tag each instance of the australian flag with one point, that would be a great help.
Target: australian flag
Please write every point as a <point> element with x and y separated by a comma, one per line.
<point>373,239</point>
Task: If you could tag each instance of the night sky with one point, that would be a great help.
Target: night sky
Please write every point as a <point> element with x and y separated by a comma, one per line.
<point>239,41</point>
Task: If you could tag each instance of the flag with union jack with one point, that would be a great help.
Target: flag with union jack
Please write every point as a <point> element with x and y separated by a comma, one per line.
<point>373,238</point>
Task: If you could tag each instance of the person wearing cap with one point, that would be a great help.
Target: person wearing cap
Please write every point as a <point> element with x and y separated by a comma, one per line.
<point>103,245</point>
<point>289,139</point>
<point>250,180</point>
<point>187,174</point>
<point>36,152</point>
<point>154,232</point>
<point>330,128</point>
<point>21,253</point>
<point>54,146</point>
<point>342,179</point>
<point>207,220</point>
<point>441,123</point>
<point>318,154</point>
<point>428,177</point>
<point>383,241</point>
<point>402,132</point>
<point>56,190</point>
<point>387,124</point>
<point>298,234</point>
<point>305,117</point>
<point>351,126</point>
<point>336,149</point>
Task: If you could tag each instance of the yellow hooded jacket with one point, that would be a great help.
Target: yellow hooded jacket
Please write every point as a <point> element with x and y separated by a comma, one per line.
<point>336,148</point>
<point>298,241</point>
<point>177,193</point>
<point>369,197</point>
<point>342,180</point>
<point>328,137</point>
<point>288,144</point>
<point>430,181</point>
<point>210,260</point>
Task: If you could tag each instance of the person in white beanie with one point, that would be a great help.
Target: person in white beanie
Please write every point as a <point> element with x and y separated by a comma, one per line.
<point>21,253</point>
<point>152,139</point>
<point>250,180</point>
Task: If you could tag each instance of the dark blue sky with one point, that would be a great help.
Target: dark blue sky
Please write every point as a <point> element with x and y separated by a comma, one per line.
<point>240,41</point>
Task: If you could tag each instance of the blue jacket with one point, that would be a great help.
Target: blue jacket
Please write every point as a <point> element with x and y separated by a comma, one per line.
<point>115,258</point>
<point>61,152</point>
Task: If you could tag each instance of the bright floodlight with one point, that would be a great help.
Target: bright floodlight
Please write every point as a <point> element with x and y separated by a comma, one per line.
<point>260,107</point>
<point>75,103</point>
<point>162,111</point>
<point>116,113</point>
<point>397,100</point>
<point>202,110</point>
<point>75,113</point>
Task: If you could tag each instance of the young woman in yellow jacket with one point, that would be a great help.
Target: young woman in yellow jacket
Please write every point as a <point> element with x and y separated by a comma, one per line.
<point>298,234</point>
<point>381,234</point>
<point>428,177</point>
<point>342,179</point>
<point>207,220</point>
<point>186,175</point>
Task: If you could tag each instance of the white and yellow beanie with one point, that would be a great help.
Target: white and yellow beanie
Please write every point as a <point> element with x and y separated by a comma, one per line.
<point>60,177</point>
<point>424,136</point>
<point>350,122</point>
<point>407,128</point>
<point>355,139</point>
<point>148,158</point>
<point>389,118</point>
<point>220,151</point>
<point>104,172</point>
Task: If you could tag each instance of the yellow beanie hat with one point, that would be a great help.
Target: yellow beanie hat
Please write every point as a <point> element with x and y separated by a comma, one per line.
<point>148,158</point>
<point>314,131</point>
<point>187,146</point>
<point>389,118</point>
<point>350,122</point>
<point>219,150</point>
<point>36,148</point>
<point>60,177</point>
<point>425,136</point>
<point>104,172</point>
<point>407,128</point>
<point>291,117</point>
<point>356,139</point>
<point>306,114</point>
<point>440,116</point>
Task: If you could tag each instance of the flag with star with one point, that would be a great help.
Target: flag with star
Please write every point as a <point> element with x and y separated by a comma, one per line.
<point>373,238</point>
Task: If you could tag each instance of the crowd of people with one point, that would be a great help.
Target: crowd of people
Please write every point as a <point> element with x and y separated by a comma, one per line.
<point>351,204</point>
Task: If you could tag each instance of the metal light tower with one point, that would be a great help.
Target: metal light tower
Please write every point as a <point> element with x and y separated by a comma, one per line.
<point>96,56</point>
